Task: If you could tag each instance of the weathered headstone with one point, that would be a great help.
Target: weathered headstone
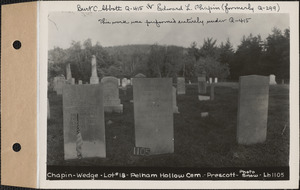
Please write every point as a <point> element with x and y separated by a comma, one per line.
<point>79,81</point>
<point>201,85</point>
<point>216,80</point>
<point>175,108</point>
<point>153,114</point>
<point>180,85</point>
<point>68,71</point>
<point>272,79</point>
<point>252,109</point>
<point>94,78</point>
<point>83,120</point>
<point>112,103</point>
<point>212,92</point>
<point>210,80</point>
<point>48,109</point>
<point>60,83</point>
<point>124,82</point>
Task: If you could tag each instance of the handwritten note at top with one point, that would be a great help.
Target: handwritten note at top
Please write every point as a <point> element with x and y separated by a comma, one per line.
<point>269,7</point>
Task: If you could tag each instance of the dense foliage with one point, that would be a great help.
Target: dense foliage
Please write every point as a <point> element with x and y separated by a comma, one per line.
<point>253,56</point>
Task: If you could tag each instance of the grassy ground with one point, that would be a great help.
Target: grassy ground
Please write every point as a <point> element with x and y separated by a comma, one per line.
<point>199,142</point>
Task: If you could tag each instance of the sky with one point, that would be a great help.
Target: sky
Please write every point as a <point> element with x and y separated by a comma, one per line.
<point>65,27</point>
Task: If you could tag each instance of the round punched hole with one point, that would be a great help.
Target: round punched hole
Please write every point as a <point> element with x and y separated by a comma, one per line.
<point>16,147</point>
<point>17,44</point>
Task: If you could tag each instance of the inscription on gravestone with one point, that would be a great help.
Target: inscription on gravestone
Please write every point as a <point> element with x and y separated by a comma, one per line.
<point>83,120</point>
<point>180,85</point>
<point>112,103</point>
<point>252,109</point>
<point>153,114</point>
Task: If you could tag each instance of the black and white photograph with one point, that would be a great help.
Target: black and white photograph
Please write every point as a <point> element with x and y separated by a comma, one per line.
<point>168,95</point>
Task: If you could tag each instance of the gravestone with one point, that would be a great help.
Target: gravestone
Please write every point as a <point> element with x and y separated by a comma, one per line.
<point>119,82</point>
<point>180,85</point>
<point>56,83</point>
<point>212,92</point>
<point>210,80</point>
<point>216,80</point>
<point>202,85</point>
<point>68,71</point>
<point>60,83</point>
<point>79,81</point>
<point>124,82</point>
<point>140,75</point>
<point>112,103</point>
<point>175,108</point>
<point>153,114</point>
<point>94,77</point>
<point>48,109</point>
<point>128,82</point>
<point>203,98</point>
<point>252,109</point>
<point>272,79</point>
<point>72,80</point>
<point>83,121</point>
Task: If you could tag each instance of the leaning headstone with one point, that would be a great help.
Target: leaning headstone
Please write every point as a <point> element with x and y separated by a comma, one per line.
<point>153,115</point>
<point>124,82</point>
<point>252,109</point>
<point>180,85</point>
<point>48,109</point>
<point>112,103</point>
<point>212,92</point>
<point>175,108</point>
<point>94,78</point>
<point>272,79</point>
<point>83,121</point>
<point>79,81</point>
<point>202,85</point>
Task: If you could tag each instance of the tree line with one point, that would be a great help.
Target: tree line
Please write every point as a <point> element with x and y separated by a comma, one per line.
<point>253,55</point>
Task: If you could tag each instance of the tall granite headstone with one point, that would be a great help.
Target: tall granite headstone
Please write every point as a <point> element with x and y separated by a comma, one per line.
<point>202,84</point>
<point>180,85</point>
<point>83,121</point>
<point>153,114</point>
<point>175,108</point>
<point>252,109</point>
<point>94,77</point>
<point>112,102</point>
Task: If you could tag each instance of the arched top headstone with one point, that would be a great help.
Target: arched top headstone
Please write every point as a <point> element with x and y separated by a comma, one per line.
<point>140,75</point>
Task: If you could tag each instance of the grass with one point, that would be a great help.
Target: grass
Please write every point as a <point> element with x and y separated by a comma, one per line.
<point>199,142</point>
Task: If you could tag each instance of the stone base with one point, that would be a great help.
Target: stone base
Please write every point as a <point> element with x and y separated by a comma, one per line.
<point>203,98</point>
<point>94,80</point>
<point>115,108</point>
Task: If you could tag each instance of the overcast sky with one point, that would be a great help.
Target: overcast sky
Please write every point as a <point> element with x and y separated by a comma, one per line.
<point>66,27</point>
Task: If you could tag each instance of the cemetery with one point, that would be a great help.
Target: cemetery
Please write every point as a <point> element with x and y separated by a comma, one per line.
<point>146,122</point>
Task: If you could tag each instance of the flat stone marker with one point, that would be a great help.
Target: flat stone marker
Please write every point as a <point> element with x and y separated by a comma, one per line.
<point>112,102</point>
<point>203,98</point>
<point>153,115</point>
<point>175,108</point>
<point>273,79</point>
<point>94,77</point>
<point>202,85</point>
<point>252,109</point>
<point>180,85</point>
<point>83,120</point>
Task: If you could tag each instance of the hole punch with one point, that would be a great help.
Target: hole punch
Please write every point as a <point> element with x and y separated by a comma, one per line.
<point>16,147</point>
<point>17,44</point>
